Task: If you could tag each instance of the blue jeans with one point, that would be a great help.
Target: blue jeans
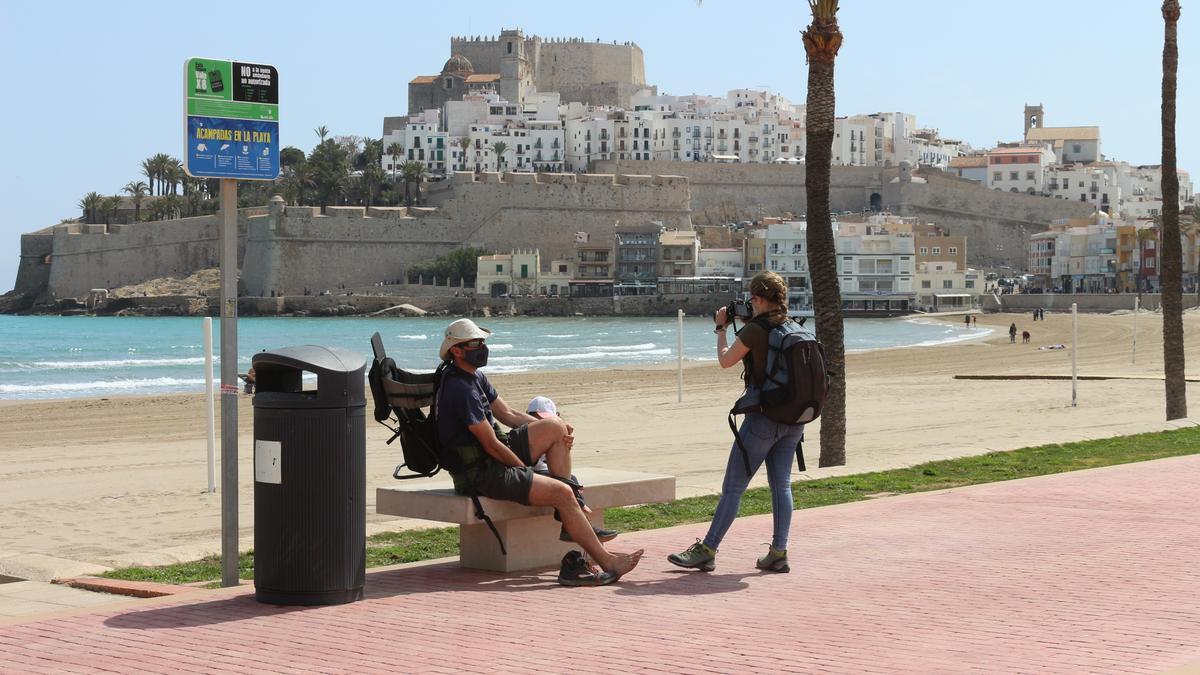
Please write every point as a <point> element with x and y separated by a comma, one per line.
<point>764,440</point>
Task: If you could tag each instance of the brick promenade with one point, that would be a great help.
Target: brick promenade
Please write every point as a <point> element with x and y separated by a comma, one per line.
<point>1092,571</point>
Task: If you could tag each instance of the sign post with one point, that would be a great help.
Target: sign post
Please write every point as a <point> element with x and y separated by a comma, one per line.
<point>231,132</point>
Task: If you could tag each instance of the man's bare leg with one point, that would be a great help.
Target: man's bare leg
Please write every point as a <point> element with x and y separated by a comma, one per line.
<point>549,492</point>
<point>549,437</point>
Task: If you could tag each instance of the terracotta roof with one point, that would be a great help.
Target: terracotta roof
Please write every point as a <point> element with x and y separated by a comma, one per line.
<point>423,79</point>
<point>968,162</point>
<point>483,77</point>
<point>1064,133</point>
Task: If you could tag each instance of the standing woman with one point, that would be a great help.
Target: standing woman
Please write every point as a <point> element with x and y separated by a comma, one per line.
<point>764,439</point>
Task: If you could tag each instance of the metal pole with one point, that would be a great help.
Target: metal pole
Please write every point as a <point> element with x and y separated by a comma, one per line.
<point>211,427</point>
<point>1074,351</point>
<point>679,350</point>
<point>1135,312</point>
<point>229,388</point>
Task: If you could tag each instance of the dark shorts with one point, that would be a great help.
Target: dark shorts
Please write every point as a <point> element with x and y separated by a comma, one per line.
<point>493,479</point>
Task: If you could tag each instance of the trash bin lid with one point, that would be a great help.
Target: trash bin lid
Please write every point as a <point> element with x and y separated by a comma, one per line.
<point>279,377</point>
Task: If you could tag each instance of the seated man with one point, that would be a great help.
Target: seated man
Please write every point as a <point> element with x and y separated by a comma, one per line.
<point>499,466</point>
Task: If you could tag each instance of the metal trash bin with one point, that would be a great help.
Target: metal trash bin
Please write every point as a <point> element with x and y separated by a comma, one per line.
<point>310,479</point>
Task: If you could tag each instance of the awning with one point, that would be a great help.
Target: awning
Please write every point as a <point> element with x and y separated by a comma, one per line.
<point>725,158</point>
<point>951,295</point>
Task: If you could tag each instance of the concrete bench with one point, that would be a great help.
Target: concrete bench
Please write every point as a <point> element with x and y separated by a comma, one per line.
<point>530,533</point>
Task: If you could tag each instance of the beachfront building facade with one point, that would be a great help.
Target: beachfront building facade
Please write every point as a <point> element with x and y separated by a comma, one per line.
<point>944,287</point>
<point>419,140</point>
<point>754,251</point>
<point>720,262</point>
<point>594,267</point>
<point>636,249</point>
<point>520,273</point>
<point>787,255</point>
<point>876,267</point>
<point>679,253</point>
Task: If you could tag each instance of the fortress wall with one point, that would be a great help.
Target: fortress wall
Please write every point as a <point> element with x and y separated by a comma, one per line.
<point>297,248</point>
<point>132,253</point>
<point>997,224</point>
<point>723,193</point>
<point>595,72</point>
<point>33,272</point>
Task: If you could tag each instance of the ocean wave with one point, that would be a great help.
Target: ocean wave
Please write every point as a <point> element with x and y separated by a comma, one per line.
<point>561,335</point>
<point>499,348</point>
<point>578,356</point>
<point>411,337</point>
<point>99,386</point>
<point>116,363</point>
<point>645,346</point>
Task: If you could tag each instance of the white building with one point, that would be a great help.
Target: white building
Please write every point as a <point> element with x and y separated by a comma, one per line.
<point>942,286</point>
<point>875,268</point>
<point>1019,169</point>
<point>720,262</point>
<point>1069,144</point>
<point>420,140</point>
<point>520,273</point>
<point>787,256</point>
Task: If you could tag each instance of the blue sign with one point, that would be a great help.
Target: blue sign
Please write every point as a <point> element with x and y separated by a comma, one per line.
<point>219,147</point>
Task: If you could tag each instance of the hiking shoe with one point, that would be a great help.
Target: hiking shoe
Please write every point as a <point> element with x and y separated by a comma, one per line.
<point>774,561</point>
<point>576,570</point>
<point>698,556</point>
<point>602,534</point>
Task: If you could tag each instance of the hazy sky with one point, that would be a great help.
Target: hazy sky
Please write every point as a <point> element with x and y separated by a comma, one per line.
<point>91,89</point>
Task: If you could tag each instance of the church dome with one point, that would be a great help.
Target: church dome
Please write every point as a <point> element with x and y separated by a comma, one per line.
<point>458,64</point>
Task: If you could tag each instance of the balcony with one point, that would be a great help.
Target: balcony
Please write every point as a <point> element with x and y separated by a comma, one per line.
<point>621,133</point>
<point>675,133</point>
<point>587,136</point>
<point>538,144</point>
<point>754,139</point>
<point>604,134</point>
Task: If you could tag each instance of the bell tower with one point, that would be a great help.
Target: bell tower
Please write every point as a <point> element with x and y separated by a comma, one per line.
<point>1033,118</point>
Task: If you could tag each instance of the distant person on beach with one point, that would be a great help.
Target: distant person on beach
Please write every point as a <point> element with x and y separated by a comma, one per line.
<point>974,321</point>
<point>499,465</point>
<point>967,320</point>
<point>764,439</point>
<point>1012,333</point>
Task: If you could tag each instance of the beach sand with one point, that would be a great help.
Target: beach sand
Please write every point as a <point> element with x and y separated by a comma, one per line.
<point>118,481</point>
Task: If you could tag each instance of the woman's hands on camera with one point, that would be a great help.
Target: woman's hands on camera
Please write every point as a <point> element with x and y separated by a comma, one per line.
<point>721,318</point>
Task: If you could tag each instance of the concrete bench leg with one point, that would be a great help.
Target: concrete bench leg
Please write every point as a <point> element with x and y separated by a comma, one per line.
<point>531,542</point>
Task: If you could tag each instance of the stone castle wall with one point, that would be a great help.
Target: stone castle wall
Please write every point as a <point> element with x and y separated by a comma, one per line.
<point>997,224</point>
<point>95,256</point>
<point>594,72</point>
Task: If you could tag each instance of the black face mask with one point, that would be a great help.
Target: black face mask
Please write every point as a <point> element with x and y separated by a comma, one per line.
<point>477,357</point>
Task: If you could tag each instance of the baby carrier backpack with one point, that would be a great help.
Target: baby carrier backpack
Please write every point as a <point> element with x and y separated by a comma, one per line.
<point>399,397</point>
<point>794,386</point>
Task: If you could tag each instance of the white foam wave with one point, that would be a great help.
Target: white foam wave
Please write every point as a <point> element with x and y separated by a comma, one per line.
<point>577,356</point>
<point>561,335</point>
<point>411,337</point>
<point>632,348</point>
<point>99,385</point>
<point>117,363</point>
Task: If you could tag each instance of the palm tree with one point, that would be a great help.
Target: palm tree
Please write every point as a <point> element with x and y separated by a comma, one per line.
<point>321,132</point>
<point>396,151</point>
<point>90,204</point>
<point>173,174</point>
<point>499,147</point>
<point>161,162</point>
<point>463,144</point>
<point>149,171</point>
<point>822,40</point>
<point>1171,272</point>
<point>412,172</point>
<point>137,194</point>
<point>171,206</point>
<point>109,206</point>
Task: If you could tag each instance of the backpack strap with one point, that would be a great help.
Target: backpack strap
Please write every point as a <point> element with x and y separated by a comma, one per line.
<point>800,454</point>
<point>737,439</point>
<point>482,515</point>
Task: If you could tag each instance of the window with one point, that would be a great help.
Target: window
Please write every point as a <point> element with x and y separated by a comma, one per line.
<point>970,284</point>
<point>524,271</point>
<point>509,47</point>
<point>924,250</point>
<point>449,83</point>
<point>499,268</point>
<point>1012,175</point>
<point>953,250</point>
<point>947,283</point>
<point>1150,262</point>
<point>1028,175</point>
<point>1076,148</point>
<point>937,250</point>
<point>925,283</point>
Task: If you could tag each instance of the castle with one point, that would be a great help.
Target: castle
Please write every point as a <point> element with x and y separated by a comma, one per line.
<point>515,65</point>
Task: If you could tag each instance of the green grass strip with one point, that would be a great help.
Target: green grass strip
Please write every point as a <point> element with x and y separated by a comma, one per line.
<point>390,548</point>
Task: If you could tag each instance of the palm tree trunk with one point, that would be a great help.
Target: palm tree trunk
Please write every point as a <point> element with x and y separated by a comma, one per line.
<point>821,41</point>
<point>1172,254</point>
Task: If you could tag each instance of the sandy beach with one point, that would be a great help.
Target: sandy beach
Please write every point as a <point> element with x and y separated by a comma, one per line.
<point>93,483</point>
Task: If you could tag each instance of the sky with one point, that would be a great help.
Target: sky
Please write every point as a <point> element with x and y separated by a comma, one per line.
<point>93,88</point>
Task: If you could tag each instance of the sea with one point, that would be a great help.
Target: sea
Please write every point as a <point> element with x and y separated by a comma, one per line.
<point>47,357</point>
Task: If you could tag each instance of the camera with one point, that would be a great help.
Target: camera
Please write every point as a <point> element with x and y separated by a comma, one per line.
<point>737,309</point>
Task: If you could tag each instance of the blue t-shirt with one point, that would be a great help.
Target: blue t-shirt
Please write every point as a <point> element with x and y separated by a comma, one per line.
<point>461,403</point>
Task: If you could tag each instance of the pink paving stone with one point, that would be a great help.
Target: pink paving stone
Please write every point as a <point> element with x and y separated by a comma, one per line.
<point>1086,571</point>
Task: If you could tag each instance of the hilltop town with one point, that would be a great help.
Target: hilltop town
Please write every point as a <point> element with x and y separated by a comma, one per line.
<point>573,179</point>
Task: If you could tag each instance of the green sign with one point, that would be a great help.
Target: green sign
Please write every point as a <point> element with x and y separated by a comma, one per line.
<point>231,89</point>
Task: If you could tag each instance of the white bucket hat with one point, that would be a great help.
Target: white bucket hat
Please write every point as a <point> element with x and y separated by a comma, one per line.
<point>461,331</point>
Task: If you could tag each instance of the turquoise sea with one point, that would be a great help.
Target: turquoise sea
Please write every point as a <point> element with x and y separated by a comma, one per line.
<point>68,357</point>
